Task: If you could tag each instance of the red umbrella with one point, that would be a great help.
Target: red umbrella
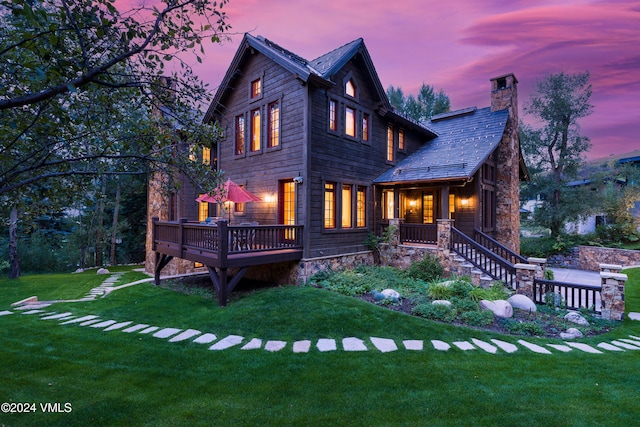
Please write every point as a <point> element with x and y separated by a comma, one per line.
<point>229,192</point>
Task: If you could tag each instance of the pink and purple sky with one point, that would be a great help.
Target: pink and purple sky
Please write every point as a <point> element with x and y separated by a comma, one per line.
<point>459,45</point>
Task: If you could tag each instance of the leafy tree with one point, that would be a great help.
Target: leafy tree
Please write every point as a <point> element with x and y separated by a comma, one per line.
<point>421,107</point>
<point>556,149</point>
<point>84,92</point>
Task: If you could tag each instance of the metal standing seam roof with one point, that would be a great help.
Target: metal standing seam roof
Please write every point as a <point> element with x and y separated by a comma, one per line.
<point>466,138</point>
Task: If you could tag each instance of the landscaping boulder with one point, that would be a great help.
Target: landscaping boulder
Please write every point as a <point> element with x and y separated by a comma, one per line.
<point>570,334</point>
<point>79,270</point>
<point>442,302</point>
<point>102,271</point>
<point>391,294</point>
<point>500,308</point>
<point>522,302</point>
<point>377,296</point>
<point>575,317</point>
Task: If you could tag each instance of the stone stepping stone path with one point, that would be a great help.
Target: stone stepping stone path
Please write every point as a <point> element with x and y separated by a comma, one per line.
<point>322,345</point>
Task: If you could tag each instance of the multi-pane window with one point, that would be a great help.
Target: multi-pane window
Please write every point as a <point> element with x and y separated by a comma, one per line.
<point>401,143</point>
<point>240,135</point>
<point>361,207</point>
<point>203,210</point>
<point>206,155</point>
<point>452,205</point>
<point>255,130</point>
<point>273,139</point>
<point>388,207</point>
<point>489,209</point>
<point>347,218</point>
<point>428,209</point>
<point>288,206</point>
<point>333,115</point>
<point>329,205</point>
<point>350,88</point>
<point>256,88</point>
<point>389,143</point>
<point>366,125</point>
<point>350,121</point>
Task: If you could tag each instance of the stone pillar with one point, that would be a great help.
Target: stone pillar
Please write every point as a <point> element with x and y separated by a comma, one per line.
<point>525,275</point>
<point>612,295</point>
<point>444,235</point>
<point>610,268</point>
<point>538,262</point>
<point>395,236</point>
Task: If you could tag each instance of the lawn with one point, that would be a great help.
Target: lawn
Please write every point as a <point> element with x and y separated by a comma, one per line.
<point>116,378</point>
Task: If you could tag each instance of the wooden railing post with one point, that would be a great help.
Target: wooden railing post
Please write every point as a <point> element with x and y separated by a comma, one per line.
<point>154,231</point>
<point>223,243</point>
<point>181,236</point>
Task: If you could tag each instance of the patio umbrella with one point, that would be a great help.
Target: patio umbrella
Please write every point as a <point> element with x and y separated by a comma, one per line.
<point>229,192</point>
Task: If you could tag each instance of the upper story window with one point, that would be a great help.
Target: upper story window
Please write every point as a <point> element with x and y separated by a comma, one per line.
<point>256,88</point>
<point>390,152</point>
<point>206,155</point>
<point>273,137</point>
<point>240,135</point>
<point>366,126</point>
<point>333,115</point>
<point>350,121</point>
<point>401,143</point>
<point>350,88</point>
<point>255,130</point>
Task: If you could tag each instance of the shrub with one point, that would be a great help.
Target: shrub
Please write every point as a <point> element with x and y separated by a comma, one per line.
<point>522,328</point>
<point>477,318</point>
<point>461,288</point>
<point>497,291</point>
<point>439,290</point>
<point>439,312</point>
<point>464,304</point>
<point>428,269</point>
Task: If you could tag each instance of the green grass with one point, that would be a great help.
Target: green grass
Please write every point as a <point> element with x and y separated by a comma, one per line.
<point>114,378</point>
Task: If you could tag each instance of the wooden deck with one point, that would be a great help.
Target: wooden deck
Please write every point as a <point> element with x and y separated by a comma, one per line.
<point>220,246</point>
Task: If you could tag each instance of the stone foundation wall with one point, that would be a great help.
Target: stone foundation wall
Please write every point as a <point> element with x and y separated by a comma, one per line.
<point>402,256</point>
<point>590,257</point>
<point>308,267</point>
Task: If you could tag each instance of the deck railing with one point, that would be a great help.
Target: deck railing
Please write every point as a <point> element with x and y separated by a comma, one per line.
<point>419,233</point>
<point>574,296</point>
<point>492,264</point>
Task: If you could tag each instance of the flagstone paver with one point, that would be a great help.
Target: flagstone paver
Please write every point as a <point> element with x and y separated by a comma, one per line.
<point>353,344</point>
<point>464,345</point>
<point>505,346</point>
<point>584,347</point>
<point>149,329</point>
<point>135,328</point>
<point>534,347</point>
<point>189,333</point>
<point>90,322</point>
<point>166,332</point>
<point>625,345</point>
<point>205,339</point>
<point>302,346</point>
<point>385,345</point>
<point>607,346</point>
<point>103,324</point>
<point>632,342</point>
<point>485,346</point>
<point>274,346</point>
<point>229,341</point>
<point>440,345</point>
<point>561,347</point>
<point>326,344</point>
<point>254,344</point>
<point>416,345</point>
<point>57,316</point>
<point>79,319</point>
<point>32,311</point>
<point>5,312</point>
<point>634,316</point>
<point>118,326</point>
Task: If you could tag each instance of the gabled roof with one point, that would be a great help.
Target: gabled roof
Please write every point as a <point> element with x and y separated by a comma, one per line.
<point>466,138</point>
<point>319,71</point>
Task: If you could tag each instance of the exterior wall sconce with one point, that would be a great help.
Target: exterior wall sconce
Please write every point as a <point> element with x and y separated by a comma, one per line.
<point>464,202</point>
<point>270,198</point>
<point>298,180</point>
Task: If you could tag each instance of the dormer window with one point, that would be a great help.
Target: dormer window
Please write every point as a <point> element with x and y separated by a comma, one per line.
<point>256,88</point>
<point>350,88</point>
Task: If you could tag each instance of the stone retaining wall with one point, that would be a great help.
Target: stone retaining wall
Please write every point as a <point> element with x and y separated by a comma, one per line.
<point>590,257</point>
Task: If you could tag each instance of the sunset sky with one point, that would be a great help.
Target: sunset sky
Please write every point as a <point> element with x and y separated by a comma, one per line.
<point>458,45</point>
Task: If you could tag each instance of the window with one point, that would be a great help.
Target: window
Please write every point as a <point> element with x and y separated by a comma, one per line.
<point>350,88</point>
<point>387,204</point>
<point>203,210</point>
<point>401,139</point>
<point>366,124</point>
<point>347,219</point>
<point>428,208</point>
<point>452,206</point>
<point>206,155</point>
<point>240,135</point>
<point>390,143</point>
<point>256,88</point>
<point>255,130</point>
<point>361,208</point>
<point>273,139</point>
<point>329,205</point>
<point>350,121</point>
<point>287,206</point>
<point>333,115</point>
<point>239,208</point>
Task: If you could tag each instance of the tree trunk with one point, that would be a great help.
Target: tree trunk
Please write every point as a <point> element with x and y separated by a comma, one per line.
<point>114,231</point>
<point>99,228</point>
<point>14,260</point>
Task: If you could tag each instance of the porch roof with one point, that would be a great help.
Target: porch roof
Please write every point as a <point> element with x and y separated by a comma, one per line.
<point>466,138</point>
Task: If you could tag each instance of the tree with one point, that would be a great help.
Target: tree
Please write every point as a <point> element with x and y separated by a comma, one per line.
<point>84,92</point>
<point>422,107</point>
<point>556,149</point>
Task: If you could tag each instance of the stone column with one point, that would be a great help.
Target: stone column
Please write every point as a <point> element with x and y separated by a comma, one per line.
<point>444,235</point>
<point>395,236</point>
<point>610,268</point>
<point>538,262</point>
<point>525,275</point>
<point>612,294</point>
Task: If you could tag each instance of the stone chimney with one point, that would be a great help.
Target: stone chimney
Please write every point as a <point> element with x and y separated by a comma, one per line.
<point>504,95</point>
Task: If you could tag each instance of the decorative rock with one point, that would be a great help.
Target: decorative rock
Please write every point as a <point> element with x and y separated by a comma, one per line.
<point>390,293</point>
<point>522,302</point>
<point>570,334</point>
<point>442,302</point>
<point>79,270</point>
<point>575,317</point>
<point>377,296</point>
<point>102,271</point>
<point>500,308</point>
